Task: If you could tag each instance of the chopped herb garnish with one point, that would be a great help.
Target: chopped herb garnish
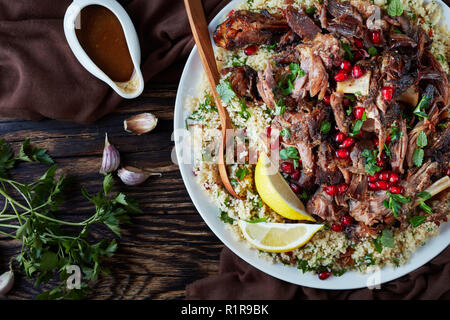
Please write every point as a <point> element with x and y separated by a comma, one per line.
<point>280,108</point>
<point>225,217</point>
<point>357,127</point>
<point>350,97</point>
<point>423,104</point>
<point>424,195</point>
<point>289,153</point>
<point>397,31</point>
<point>377,244</point>
<point>417,220</point>
<point>241,173</point>
<point>296,163</point>
<point>271,47</point>
<point>325,127</point>
<point>347,50</point>
<point>371,160</point>
<point>395,202</point>
<point>349,110</point>
<point>256,220</point>
<point>236,62</point>
<point>310,10</point>
<point>286,85</point>
<point>441,58</point>
<point>244,112</point>
<point>225,91</point>
<point>425,207</point>
<point>373,51</point>
<point>395,132</point>
<point>285,133</point>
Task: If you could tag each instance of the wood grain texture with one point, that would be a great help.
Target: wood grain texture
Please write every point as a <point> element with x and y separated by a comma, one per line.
<point>167,247</point>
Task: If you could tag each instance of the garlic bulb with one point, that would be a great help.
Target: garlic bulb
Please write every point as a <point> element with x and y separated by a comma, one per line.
<point>132,176</point>
<point>111,158</point>
<point>140,123</point>
<point>6,282</point>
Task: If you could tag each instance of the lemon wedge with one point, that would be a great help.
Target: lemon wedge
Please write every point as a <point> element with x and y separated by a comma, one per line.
<point>276,193</point>
<point>278,237</point>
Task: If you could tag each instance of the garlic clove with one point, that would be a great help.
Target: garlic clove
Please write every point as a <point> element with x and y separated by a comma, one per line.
<point>6,282</point>
<point>140,123</point>
<point>111,158</point>
<point>132,176</point>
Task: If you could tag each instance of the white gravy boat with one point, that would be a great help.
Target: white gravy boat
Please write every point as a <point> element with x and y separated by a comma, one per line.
<point>129,89</point>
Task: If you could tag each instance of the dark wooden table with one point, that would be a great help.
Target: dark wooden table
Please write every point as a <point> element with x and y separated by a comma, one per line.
<point>167,247</point>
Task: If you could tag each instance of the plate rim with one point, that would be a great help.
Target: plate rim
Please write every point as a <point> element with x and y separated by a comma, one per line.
<point>350,280</point>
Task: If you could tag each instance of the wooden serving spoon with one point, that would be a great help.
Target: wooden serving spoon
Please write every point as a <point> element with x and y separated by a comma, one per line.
<point>202,39</point>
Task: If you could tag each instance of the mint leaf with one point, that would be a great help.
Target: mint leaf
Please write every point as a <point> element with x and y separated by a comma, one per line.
<point>225,217</point>
<point>425,207</point>
<point>418,157</point>
<point>421,106</point>
<point>373,51</point>
<point>424,195</point>
<point>395,8</point>
<point>422,139</point>
<point>285,133</point>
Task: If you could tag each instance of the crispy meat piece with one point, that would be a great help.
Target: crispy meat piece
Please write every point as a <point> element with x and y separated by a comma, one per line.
<point>419,179</point>
<point>243,81</point>
<point>327,47</point>
<point>245,28</point>
<point>370,211</point>
<point>266,84</point>
<point>323,205</point>
<point>339,9</point>
<point>336,101</point>
<point>440,150</point>
<point>327,170</point>
<point>301,23</point>
<point>358,166</point>
<point>399,148</point>
<point>317,75</point>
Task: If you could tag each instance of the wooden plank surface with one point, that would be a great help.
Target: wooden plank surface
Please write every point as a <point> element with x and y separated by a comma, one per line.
<point>167,247</point>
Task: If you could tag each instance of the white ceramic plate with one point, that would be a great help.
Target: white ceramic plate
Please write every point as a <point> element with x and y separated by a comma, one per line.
<point>210,213</point>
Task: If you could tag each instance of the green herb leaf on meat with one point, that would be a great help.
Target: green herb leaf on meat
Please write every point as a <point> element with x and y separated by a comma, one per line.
<point>421,106</point>
<point>371,160</point>
<point>285,133</point>
<point>395,8</point>
<point>373,51</point>
<point>422,139</point>
<point>395,202</point>
<point>425,207</point>
<point>325,127</point>
<point>424,195</point>
<point>418,157</point>
<point>289,153</point>
<point>310,10</point>
<point>347,50</point>
<point>280,108</point>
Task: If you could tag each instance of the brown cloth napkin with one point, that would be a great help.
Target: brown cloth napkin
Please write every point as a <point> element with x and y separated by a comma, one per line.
<point>237,280</point>
<point>41,78</point>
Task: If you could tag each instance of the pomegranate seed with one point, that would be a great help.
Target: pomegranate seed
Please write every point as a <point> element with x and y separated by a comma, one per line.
<point>381,163</point>
<point>346,220</point>
<point>340,137</point>
<point>251,50</point>
<point>346,65</point>
<point>327,99</point>
<point>295,175</point>
<point>324,275</point>
<point>373,178</point>
<point>373,186</point>
<point>287,167</point>
<point>388,139</point>
<point>387,93</point>
<point>342,188</point>
<point>394,178</point>
<point>384,175</point>
<point>331,190</point>
<point>383,156</point>
<point>376,37</point>
<point>346,102</point>
<point>430,33</point>
<point>396,189</point>
<point>295,187</point>
<point>358,112</point>
<point>341,76</point>
<point>358,54</point>
<point>337,227</point>
<point>357,71</point>
<point>230,13</point>
<point>383,185</point>
<point>269,131</point>
<point>348,142</point>
<point>358,43</point>
<point>342,153</point>
<point>447,172</point>
<point>376,141</point>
